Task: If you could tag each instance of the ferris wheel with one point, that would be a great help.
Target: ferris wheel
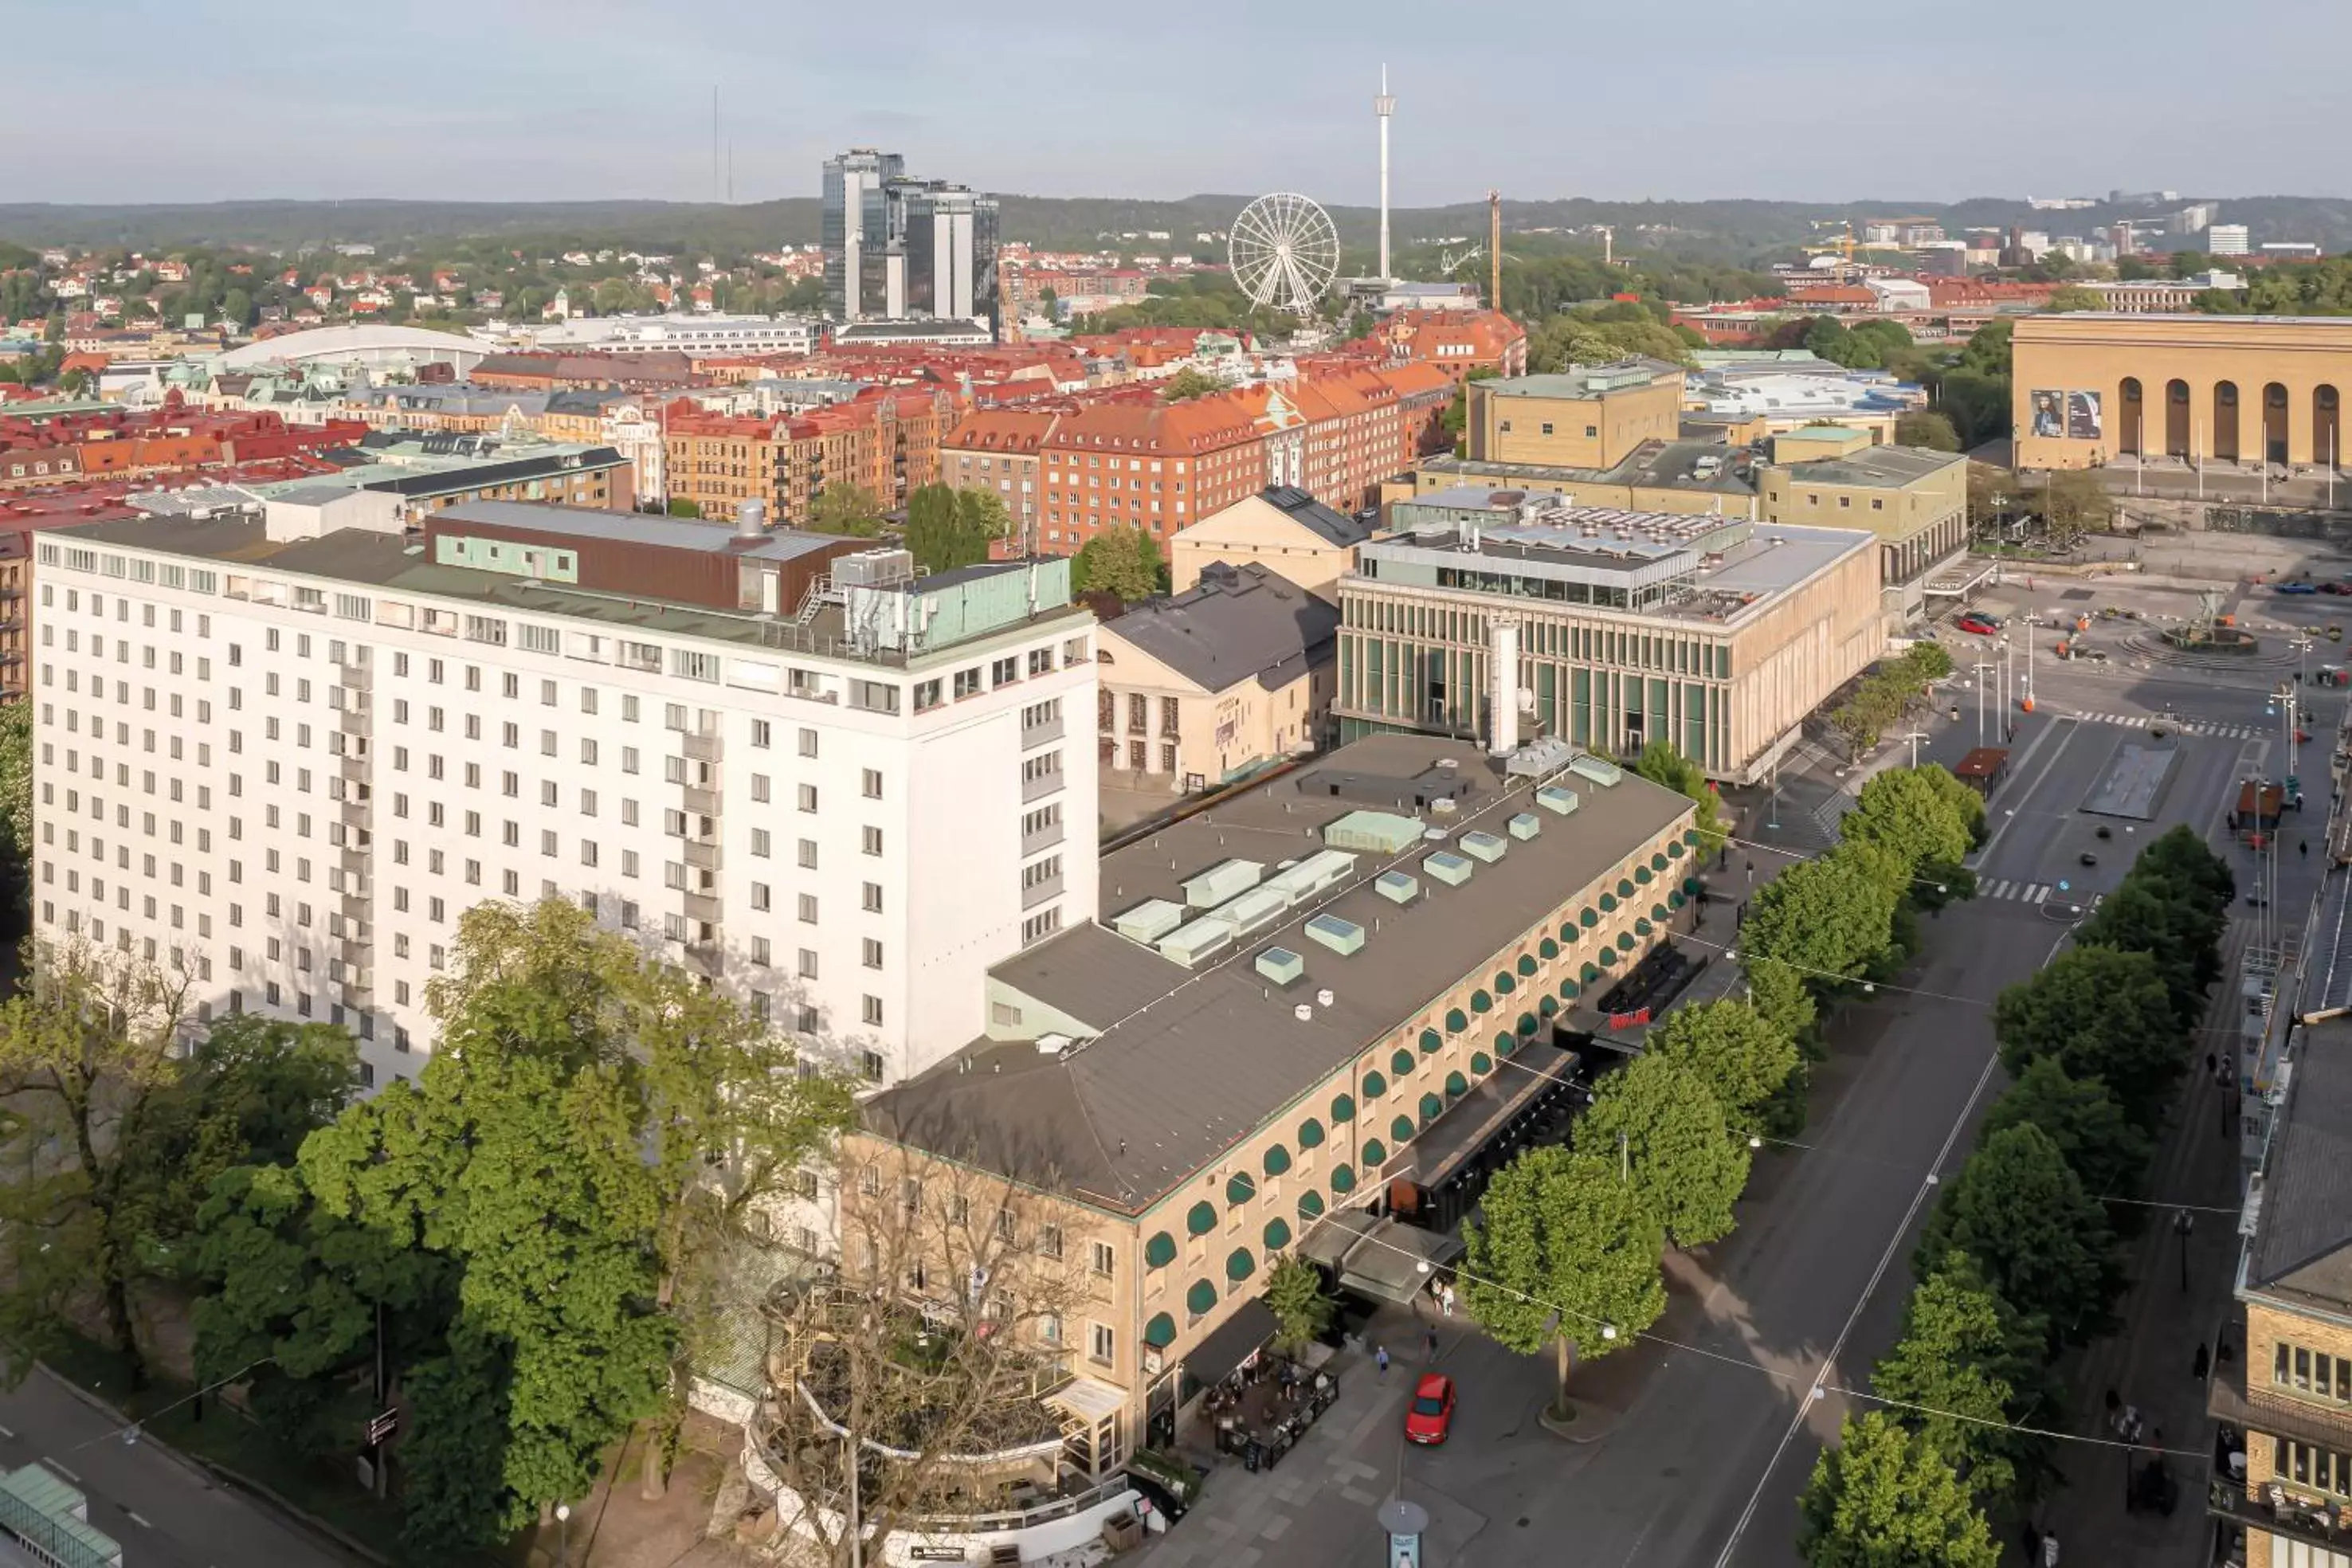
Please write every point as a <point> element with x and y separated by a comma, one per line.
<point>1285,252</point>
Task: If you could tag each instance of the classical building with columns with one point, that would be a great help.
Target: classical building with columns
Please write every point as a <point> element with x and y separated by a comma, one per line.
<point>2094,387</point>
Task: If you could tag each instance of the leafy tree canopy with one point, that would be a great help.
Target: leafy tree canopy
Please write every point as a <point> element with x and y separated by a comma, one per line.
<point>1121,560</point>
<point>843,506</point>
<point>1665,1125</point>
<point>1662,763</point>
<point>1968,1368</point>
<point>1884,1498</point>
<point>1743,1056</point>
<point>2044,1245</point>
<point>1562,1233</point>
<point>1928,429</point>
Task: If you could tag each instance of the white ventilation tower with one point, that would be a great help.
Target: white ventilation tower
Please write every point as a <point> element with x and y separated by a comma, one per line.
<point>1384,106</point>
<point>1502,688</point>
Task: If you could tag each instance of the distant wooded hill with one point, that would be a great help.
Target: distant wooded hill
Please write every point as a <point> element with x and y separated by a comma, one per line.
<point>1740,231</point>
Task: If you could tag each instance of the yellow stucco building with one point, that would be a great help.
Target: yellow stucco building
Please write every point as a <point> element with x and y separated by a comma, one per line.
<point>1587,417</point>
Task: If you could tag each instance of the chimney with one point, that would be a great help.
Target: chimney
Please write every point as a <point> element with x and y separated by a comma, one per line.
<point>1502,688</point>
<point>751,519</point>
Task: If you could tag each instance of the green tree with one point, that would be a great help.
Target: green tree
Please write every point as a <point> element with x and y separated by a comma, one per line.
<point>1663,1121</point>
<point>1777,992</point>
<point>2101,1014</point>
<point>2074,503</point>
<point>2179,857</point>
<point>843,506</point>
<point>2084,1118</point>
<point>1987,350</point>
<point>2044,1244</point>
<point>1743,1056</point>
<point>1187,384</point>
<point>16,800</point>
<point>981,516</point>
<point>1457,418</point>
<point>1829,918</point>
<point>1968,1370</point>
<point>1919,815</point>
<point>2174,925</point>
<point>1124,561</point>
<point>2075,297</point>
<point>1302,1307</point>
<point>1885,1498</point>
<point>237,308</point>
<point>1928,429</point>
<point>1661,762</point>
<point>1563,1251</point>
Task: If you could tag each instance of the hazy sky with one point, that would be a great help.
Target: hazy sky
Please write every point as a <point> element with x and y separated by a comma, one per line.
<point>548,99</point>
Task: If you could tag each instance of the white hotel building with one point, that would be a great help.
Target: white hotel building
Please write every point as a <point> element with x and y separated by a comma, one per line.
<point>291,760</point>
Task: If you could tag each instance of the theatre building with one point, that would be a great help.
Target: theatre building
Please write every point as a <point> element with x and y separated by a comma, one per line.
<point>2095,387</point>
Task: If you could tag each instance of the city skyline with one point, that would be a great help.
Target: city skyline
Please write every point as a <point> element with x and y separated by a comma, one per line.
<point>519,109</point>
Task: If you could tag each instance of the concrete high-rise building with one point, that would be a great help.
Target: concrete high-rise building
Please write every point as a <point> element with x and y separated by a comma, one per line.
<point>1384,108</point>
<point>836,790</point>
<point>2226,240</point>
<point>898,247</point>
<point>856,231</point>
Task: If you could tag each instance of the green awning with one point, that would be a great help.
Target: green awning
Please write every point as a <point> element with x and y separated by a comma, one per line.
<point>1569,988</point>
<point>1201,1299</point>
<point>1624,887</point>
<point>1608,902</point>
<point>1277,1234</point>
<point>1658,912</point>
<point>1589,918</point>
<point>1643,928</point>
<point>1549,1005</point>
<point>1455,1085</point>
<point>1240,1187</point>
<point>1624,942</point>
<point>1675,900</point>
<point>1504,984</point>
<point>1675,849</point>
<point>1343,1178</point>
<point>1507,1045</point>
<point>1277,1159</point>
<point>1160,1251</point>
<point>1455,1021</point>
<point>1588,975</point>
<point>1608,956</point>
<point>1202,1219</point>
<point>1690,837</point>
<point>1690,884</point>
<point>1432,1107</point>
<point>1481,1063</point>
<point>1310,1204</point>
<point>1310,1134</point>
<point>1549,949</point>
<point>1343,1110</point>
<point>1527,965</point>
<point>1402,1129</point>
<point>1400,1062</point>
<point>1568,933</point>
<point>1431,1040</point>
<point>1239,1264</point>
<point>1642,875</point>
<point>1527,1023</point>
<point>1375,1153</point>
<point>1160,1332</point>
<point>1657,862</point>
<point>1481,1003</point>
<point>1375,1085</point>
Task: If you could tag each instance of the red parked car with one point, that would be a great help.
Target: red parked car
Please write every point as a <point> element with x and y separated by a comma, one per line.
<point>1983,626</point>
<point>1430,1416</point>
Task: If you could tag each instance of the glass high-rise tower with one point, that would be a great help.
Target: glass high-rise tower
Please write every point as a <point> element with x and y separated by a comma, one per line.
<point>896,246</point>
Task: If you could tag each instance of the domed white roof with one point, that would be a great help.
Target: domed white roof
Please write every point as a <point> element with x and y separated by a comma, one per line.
<point>366,342</point>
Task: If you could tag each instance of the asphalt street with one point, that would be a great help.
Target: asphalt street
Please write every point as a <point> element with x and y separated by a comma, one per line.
<point>164,1511</point>
<point>1720,1425</point>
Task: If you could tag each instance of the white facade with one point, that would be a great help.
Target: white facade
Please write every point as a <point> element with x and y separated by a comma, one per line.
<point>2226,240</point>
<point>296,784</point>
<point>689,334</point>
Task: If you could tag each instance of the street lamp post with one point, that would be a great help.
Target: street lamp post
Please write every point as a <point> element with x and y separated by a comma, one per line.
<point>1983,669</point>
<point>562,1534</point>
<point>1914,737</point>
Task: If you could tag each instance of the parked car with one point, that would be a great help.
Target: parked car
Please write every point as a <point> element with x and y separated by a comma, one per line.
<point>2336,587</point>
<point>2297,588</point>
<point>1983,626</point>
<point>1430,1416</point>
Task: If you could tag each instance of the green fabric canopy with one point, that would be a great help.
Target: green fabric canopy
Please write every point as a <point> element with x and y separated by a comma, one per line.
<point>1401,1129</point>
<point>1569,988</point>
<point>1527,1023</point>
<point>1589,918</point>
<point>1481,1003</point>
<point>1590,974</point>
<point>1624,942</point>
<point>1658,912</point>
<point>1201,1299</point>
<point>1455,1021</point>
<point>1431,1040</point>
<point>1608,956</point>
<point>1343,1111</point>
<point>1277,1234</point>
<point>1202,1218</point>
<point>1400,1063</point>
<point>1343,1178</point>
<point>1504,984</point>
<point>1455,1085</point>
<point>1310,1204</point>
<point>1549,949</point>
<point>1375,1153</point>
<point>1642,875</point>
<point>1160,1332</point>
<point>1239,1264</point>
<point>1674,900</point>
<point>1507,1043</point>
<point>1643,928</point>
<point>1675,849</point>
<point>1240,1187</point>
<point>1549,1005</point>
<point>1657,862</point>
<point>1310,1134</point>
<point>1277,1159</point>
<point>1160,1251</point>
<point>1608,902</point>
<point>1624,887</point>
<point>1432,1107</point>
<point>1690,837</point>
<point>1375,1085</point>
<point>1690,884</point>
<point>1481,1063</point>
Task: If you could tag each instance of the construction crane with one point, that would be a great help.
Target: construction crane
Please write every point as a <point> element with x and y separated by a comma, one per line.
<point>1494,249</point>
<point>1842,246</point>
<point>1448,259</point>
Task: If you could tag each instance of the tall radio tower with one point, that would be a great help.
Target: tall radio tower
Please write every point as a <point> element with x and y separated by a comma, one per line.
<point>1383,107</point>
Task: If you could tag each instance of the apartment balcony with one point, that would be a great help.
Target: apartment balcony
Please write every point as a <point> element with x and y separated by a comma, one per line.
<point>705,958</point>
<point>1037,735</point>
<point>700,801</point>
<point>1041,893</point>
<point>2281,1509</point>
<point>353,720</point>
<point>702,854</point>
<point>355,862</point>
<point>701,748</point>
<point>1040,787</point>
<point>357,993</point>
<point>1043,838</point>
<point>357,814</point>
<point>2260,1408</point>
<point>353,765</point>
<point>706,907</point>
<point>356,905</point>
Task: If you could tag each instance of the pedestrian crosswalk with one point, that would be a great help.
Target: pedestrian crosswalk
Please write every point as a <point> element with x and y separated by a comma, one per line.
<point>2185,727</point>
<point>2017,891</point>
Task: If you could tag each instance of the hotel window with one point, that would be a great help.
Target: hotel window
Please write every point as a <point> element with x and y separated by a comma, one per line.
<point>2313,1372</point>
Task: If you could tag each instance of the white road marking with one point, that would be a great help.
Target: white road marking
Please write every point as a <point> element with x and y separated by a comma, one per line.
<point>6,1433</point>
<point>137,1521</point>
<point>2041,892</point>
<point>61,1469</point>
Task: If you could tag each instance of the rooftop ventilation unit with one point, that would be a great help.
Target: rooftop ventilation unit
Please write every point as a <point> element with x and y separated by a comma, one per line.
<point>1150,920</point>
<point>1596,770</point>
<point>1398,887</point>
<point>1312,875</point>
<point>1282,966</point>
<point>1342,937</point>
<point>1373,832</point>
<point>1448,868</point>
<point>1223,881</point>
<point>1444,806</point>
<point>1558,800</point>
<point>1189,944</point>
<point>1251,911</point>
<point>1526,825</point>
<point>1052,1044</point>
<point>1487,847</point>
<point>874,568</point>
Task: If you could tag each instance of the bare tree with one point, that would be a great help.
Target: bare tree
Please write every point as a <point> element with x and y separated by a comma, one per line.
<point>85,1045</point>
<point>926,1353</point>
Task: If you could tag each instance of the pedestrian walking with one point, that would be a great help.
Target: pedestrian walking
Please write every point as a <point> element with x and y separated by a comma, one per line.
<point>1446,1301</point>
<point>2212,1067</point>
<point>1380,1357</point>
<point>2303,847</point>
<point>2032,1546</point>
<point>2196,1370</point>
<point>2050,1550</point>
<point>1431,1335</point>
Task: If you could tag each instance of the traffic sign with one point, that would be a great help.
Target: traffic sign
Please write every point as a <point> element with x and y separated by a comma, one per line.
<point>379,1427</point>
